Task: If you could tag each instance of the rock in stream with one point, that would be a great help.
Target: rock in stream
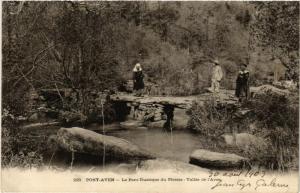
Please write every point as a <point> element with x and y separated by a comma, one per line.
<point>246,142</point>
<point>209,159</point>
<point>81,140</point>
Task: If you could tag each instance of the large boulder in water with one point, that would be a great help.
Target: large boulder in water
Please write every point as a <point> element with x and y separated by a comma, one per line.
<point>209,159</point>
<point>80,140</point>
<point>245,141</point>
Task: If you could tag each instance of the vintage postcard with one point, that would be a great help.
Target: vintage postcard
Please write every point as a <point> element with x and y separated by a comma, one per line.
<point>150,96</point>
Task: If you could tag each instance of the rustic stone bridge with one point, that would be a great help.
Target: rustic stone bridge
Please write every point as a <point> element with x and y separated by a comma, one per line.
<point>184,102</point>
<point>148,111</point>
<point>157,111</point>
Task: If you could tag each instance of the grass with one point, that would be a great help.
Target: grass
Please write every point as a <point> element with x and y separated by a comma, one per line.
<point>209,119</point>
<point>22,148</point>
<point>276,121</point>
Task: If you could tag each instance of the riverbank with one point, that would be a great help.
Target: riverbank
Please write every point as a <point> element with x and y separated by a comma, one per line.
<point>152,123</point>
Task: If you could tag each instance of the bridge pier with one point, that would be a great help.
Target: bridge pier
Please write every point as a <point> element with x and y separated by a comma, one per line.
<point>152,115</point>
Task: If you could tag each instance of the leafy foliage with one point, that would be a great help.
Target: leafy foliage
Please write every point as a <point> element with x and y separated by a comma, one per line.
<point>276,28</point>
<point>94,45</point>
<point>210,119</point>
<point>275,118</point>
<point>13,151</point>
<point>275,24</point>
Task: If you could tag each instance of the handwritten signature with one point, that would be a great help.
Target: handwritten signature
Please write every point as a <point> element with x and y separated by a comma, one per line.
<point>273,183</point>
<point>243,184</point>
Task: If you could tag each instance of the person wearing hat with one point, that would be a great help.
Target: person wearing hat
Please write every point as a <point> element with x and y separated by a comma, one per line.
<point>217,75</point>
<point>242,83</point>
<point>138,82</point>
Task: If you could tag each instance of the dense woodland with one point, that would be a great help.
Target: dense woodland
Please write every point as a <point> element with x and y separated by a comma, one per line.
<point>93,46</point>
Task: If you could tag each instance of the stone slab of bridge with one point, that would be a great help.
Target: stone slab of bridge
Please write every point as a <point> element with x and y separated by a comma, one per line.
<point>183,102</point>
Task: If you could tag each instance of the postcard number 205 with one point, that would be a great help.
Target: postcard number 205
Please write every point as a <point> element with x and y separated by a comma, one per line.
<point>76,179</point>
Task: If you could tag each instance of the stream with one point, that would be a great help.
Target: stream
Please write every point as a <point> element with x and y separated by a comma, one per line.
<point>176,145</point>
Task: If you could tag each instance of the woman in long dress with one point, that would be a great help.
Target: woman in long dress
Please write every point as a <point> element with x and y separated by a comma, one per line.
<point>242,84</point>
<point>138,79</point>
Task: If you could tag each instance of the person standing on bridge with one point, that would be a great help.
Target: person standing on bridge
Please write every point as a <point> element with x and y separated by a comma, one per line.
<point>217,75</point>
<point>242,83</point>
<point>138,80</point>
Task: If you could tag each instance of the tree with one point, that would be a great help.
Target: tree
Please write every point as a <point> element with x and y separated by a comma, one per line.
<point>277,27</point>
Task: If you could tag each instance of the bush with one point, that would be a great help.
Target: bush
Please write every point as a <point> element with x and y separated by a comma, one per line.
<point>275,118</point>
<point>272,110</point>
<point>210,119</point>
<point>18,149</point>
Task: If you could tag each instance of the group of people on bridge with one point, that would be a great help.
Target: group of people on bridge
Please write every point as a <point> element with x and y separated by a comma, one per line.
<point>242,81</point>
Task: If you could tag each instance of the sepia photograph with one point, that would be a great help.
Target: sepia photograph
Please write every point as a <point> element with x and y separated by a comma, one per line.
<point>150,96</point>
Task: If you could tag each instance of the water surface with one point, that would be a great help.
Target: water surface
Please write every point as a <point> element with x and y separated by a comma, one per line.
<point>176,145</point>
